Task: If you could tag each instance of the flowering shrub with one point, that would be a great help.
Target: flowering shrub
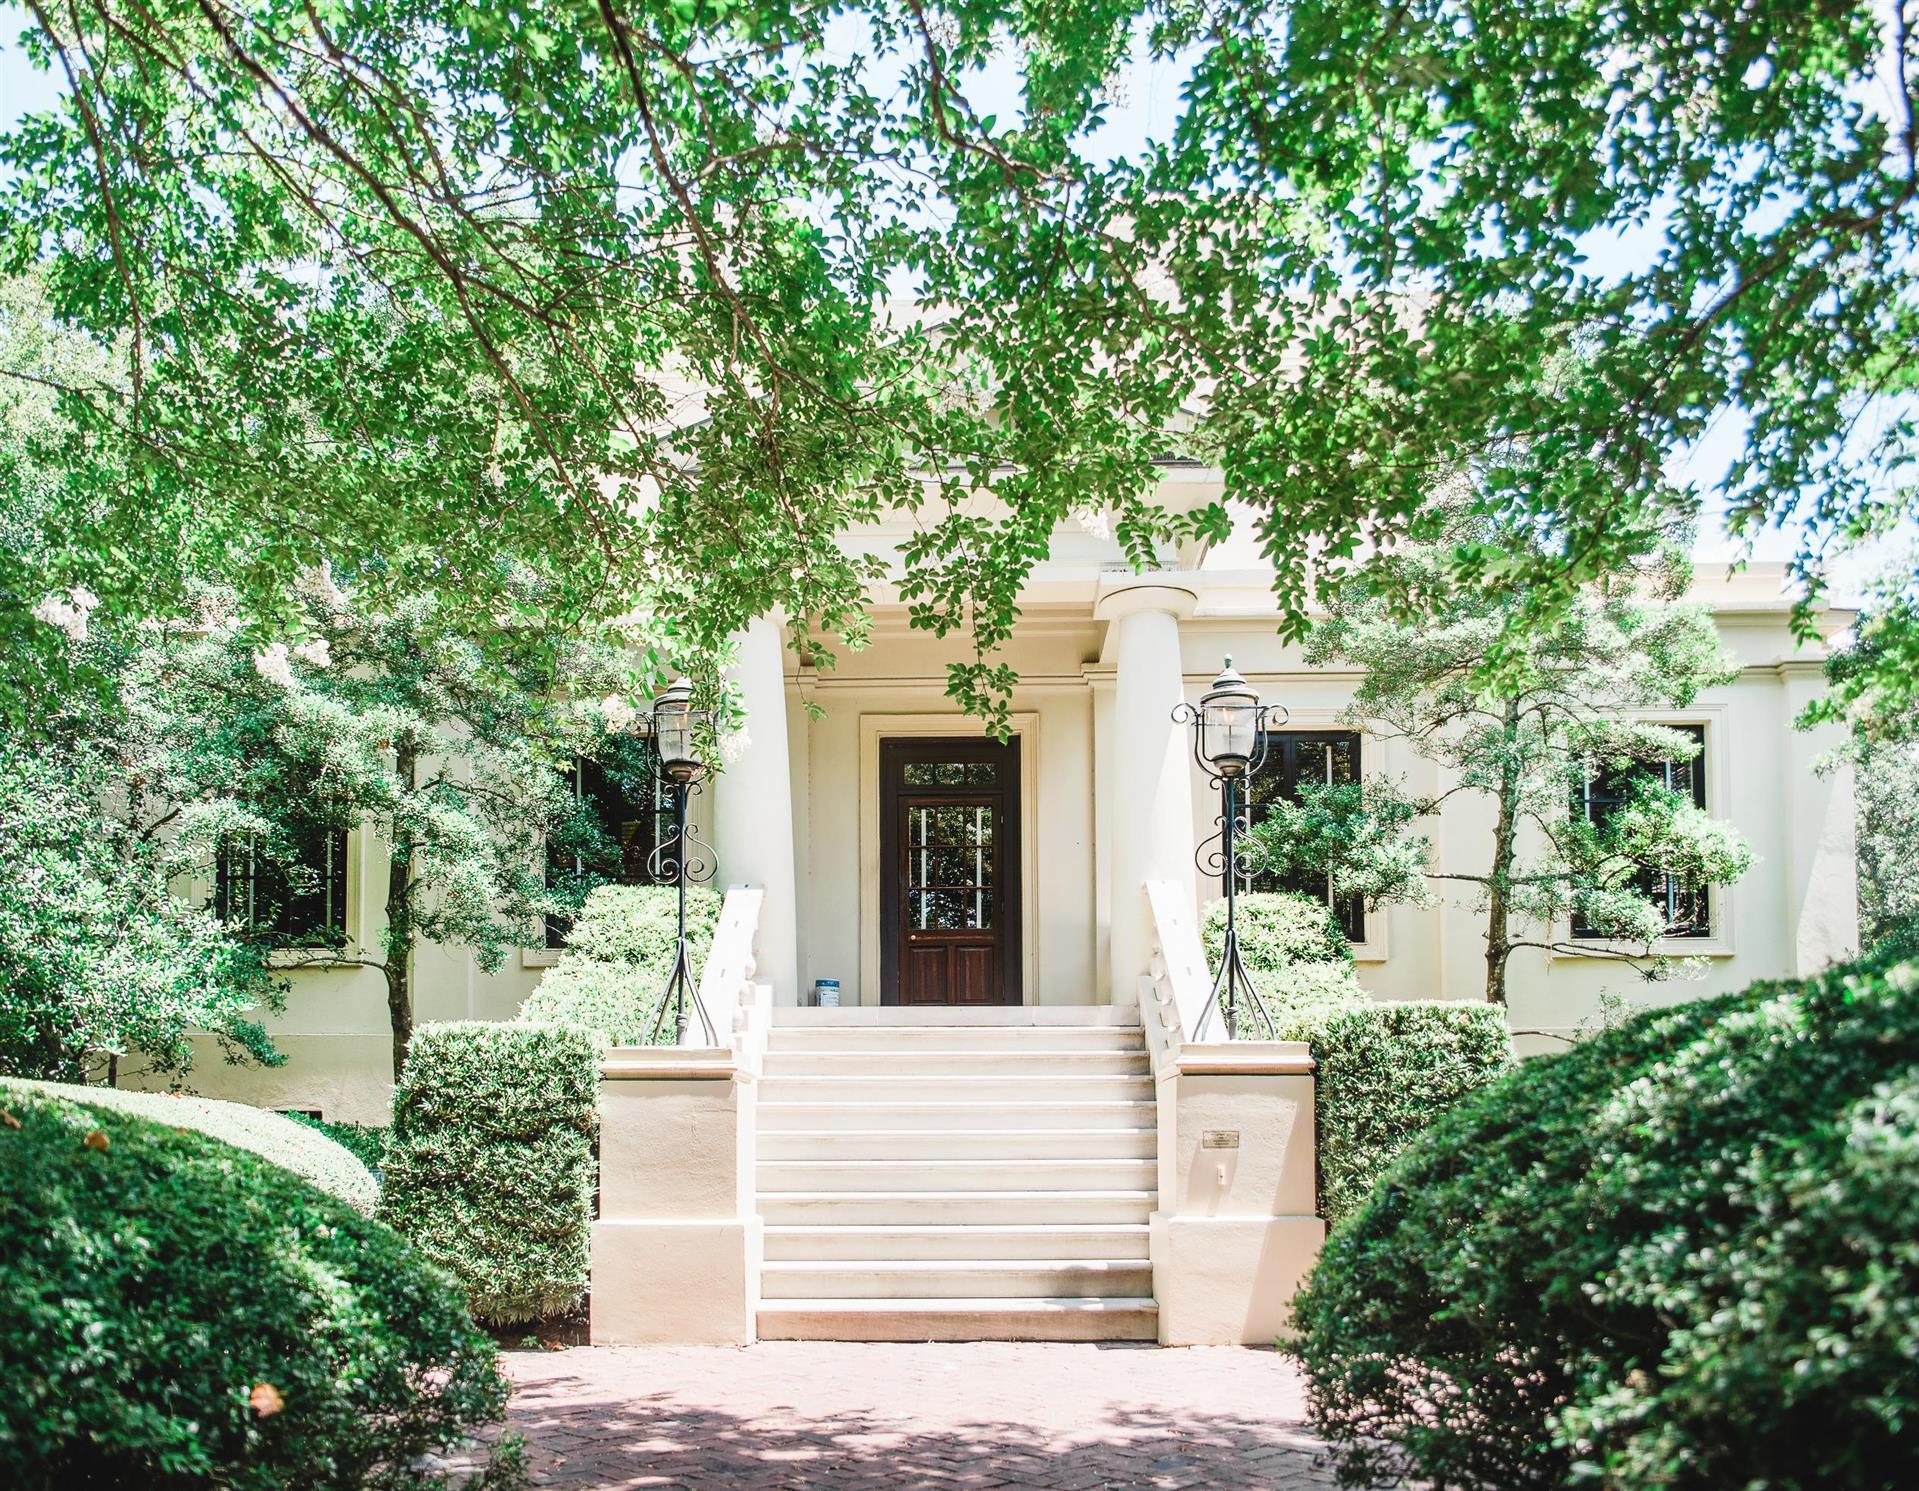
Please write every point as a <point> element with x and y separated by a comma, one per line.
<point>1678,1256</point>
<point>177,1312</point>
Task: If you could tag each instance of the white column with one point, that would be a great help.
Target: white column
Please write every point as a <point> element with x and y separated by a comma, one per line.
<point>753,808</point>
<point>1822,871</point>
<point>1149,799</point>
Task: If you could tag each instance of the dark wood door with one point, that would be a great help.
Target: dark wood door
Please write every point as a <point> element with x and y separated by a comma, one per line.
<point>949,872</point>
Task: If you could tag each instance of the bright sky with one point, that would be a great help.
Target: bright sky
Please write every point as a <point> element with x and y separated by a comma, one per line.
<point>1144,101</point>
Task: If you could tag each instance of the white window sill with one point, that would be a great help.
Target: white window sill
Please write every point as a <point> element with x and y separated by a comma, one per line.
<point>1594,950</point>
<point>294,959</point>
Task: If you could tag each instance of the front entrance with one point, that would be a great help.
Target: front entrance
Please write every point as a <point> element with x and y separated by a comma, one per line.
<point>949,872</point>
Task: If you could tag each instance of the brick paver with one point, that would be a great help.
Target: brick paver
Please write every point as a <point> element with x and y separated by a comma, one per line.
<point>845,1417</point>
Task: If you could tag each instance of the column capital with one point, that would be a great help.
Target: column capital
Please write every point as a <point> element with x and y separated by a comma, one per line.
<point>1170,594</point>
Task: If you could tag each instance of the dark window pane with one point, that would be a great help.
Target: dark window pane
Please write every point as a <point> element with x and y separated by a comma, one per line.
<point>949,773</point>
<point>1293,758</point>
<point>625,814</point>
<point>1686,908</point>
<point>297,904</point>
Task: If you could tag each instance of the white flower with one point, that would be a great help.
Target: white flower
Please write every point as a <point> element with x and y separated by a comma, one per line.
<point>69,615</point>
<point>273,665</point>
<point>318,583</point>
<point>734,744</point>
<point>316,652</point>
<point>620,715</point>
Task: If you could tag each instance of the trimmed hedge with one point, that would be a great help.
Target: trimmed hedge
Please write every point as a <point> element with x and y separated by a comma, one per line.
<point>1385,1072</point>
<point>278,1137</point>
<point>366,1142</point>
<point>613,970</point>
<point>489,1163</point>
<point>176,1312</point>
<point>1294,949</point>
<point>1679,1256</point>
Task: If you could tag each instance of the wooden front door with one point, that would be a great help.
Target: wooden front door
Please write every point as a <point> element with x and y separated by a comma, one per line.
<point>949,872</point>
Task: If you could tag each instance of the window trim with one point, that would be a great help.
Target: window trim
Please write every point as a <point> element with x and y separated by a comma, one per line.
<point>1307,721</point>
<point>1713,720</point>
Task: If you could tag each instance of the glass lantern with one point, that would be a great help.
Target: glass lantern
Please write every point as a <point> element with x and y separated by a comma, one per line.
<point>677,727</point>
<point>1229,716</point>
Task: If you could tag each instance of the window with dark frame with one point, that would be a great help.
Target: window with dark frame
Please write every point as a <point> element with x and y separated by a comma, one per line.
<point>1293,758</point>
<point>303,904</point>
<point>1687,909</point>
<point>633,812</point>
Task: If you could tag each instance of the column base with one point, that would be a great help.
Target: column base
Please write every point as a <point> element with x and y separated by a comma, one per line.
<point>1230,1281</point>
<point>675,1283</point>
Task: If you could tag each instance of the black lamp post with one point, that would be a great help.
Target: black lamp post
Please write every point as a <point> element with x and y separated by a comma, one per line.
<point>1229,743</point>
<point>680,733</point>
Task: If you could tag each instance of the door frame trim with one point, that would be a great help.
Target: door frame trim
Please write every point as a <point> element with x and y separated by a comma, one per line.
<point>876,727</point>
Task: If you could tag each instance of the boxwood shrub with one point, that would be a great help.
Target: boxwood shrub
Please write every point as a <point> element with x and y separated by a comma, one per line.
<point>366,1142</point>
<point>489,1163</point>
<point>1679,1255</point>
<point>1294,949</point>
<point>177,1312</point>
<point>1386,1071</point>
<point>278,1137</point>
<point>611,974</point>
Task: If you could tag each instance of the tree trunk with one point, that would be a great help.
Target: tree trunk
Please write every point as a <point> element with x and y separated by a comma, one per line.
<point>399,928</point>
<point>1499,946</point>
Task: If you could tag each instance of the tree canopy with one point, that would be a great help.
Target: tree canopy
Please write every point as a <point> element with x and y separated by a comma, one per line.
<point>611,291</point>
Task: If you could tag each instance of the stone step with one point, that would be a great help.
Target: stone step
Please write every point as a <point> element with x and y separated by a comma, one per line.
<point>1133,1319</point>
<point>999,1278</point>
<point>1053,1173</point>
<point>937,1208</point>
<point>828,1111</point>
<point>911,1145</point>
<point>932,1060</point>
<point>955,1014</point>
<point>1035,1240</point>
<point>784,1038</point>
<point>927,1088</point>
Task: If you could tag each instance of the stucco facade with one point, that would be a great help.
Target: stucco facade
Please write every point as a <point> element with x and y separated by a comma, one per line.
<point>1108,799</point>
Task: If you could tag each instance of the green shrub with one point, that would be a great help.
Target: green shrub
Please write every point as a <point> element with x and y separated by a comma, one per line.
<point>1386,1071</point>
<point>612,973</point>
<point>489,1163</point>
<point>1277,929</point>
<point>161,1290</point>
<point>1679,1255</point>
<point>1294,950</point>
<point>274,1136</point>
<point>366,1142</point>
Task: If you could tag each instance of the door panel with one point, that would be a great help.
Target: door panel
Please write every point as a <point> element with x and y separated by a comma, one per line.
<point>949,816</point>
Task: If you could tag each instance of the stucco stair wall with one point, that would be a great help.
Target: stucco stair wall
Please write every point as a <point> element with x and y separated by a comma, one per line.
<point>948,1174</point>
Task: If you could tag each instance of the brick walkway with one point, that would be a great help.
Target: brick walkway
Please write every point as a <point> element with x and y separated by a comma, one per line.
<point>843,1417</point>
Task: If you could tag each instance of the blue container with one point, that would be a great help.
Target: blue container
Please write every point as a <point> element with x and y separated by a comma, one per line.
<point>826,993</point>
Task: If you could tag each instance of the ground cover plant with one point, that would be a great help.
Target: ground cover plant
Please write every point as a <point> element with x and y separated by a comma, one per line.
<point>176,1312</point>
<point>1677,1256</point>
<point>488,1168</point>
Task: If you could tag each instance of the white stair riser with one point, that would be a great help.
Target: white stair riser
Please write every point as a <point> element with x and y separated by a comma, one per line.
<point>1037,1087</point>
<point>910,1145</point>
<point>1051,1174</point>
<point>909,1038</point>
<point>910,1208</point>
<point>823,1112</point>
<point>831,1320</point>
<point>961,1244</point>
<point>1051,1279</point>
<point>1068,1015</point>
<point>936,1063</point>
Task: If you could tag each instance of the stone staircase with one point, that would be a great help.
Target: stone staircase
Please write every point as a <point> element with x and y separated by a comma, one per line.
<point>956,1174</point>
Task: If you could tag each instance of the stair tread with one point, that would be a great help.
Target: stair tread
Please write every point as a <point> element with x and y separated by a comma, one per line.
<point>1102,1195</point>
<point>904,1229</point>
<point>997,1305</point>
<point>1132,1130</point>
<point>955,1265</point>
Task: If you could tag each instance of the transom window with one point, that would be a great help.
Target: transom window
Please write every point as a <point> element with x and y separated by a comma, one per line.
<point>1686,908</point>
<point>1294,758</point>
<point>291,905</point>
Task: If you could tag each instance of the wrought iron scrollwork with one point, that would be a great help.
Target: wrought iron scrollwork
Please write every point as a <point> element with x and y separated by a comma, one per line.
<point>686,858</point>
